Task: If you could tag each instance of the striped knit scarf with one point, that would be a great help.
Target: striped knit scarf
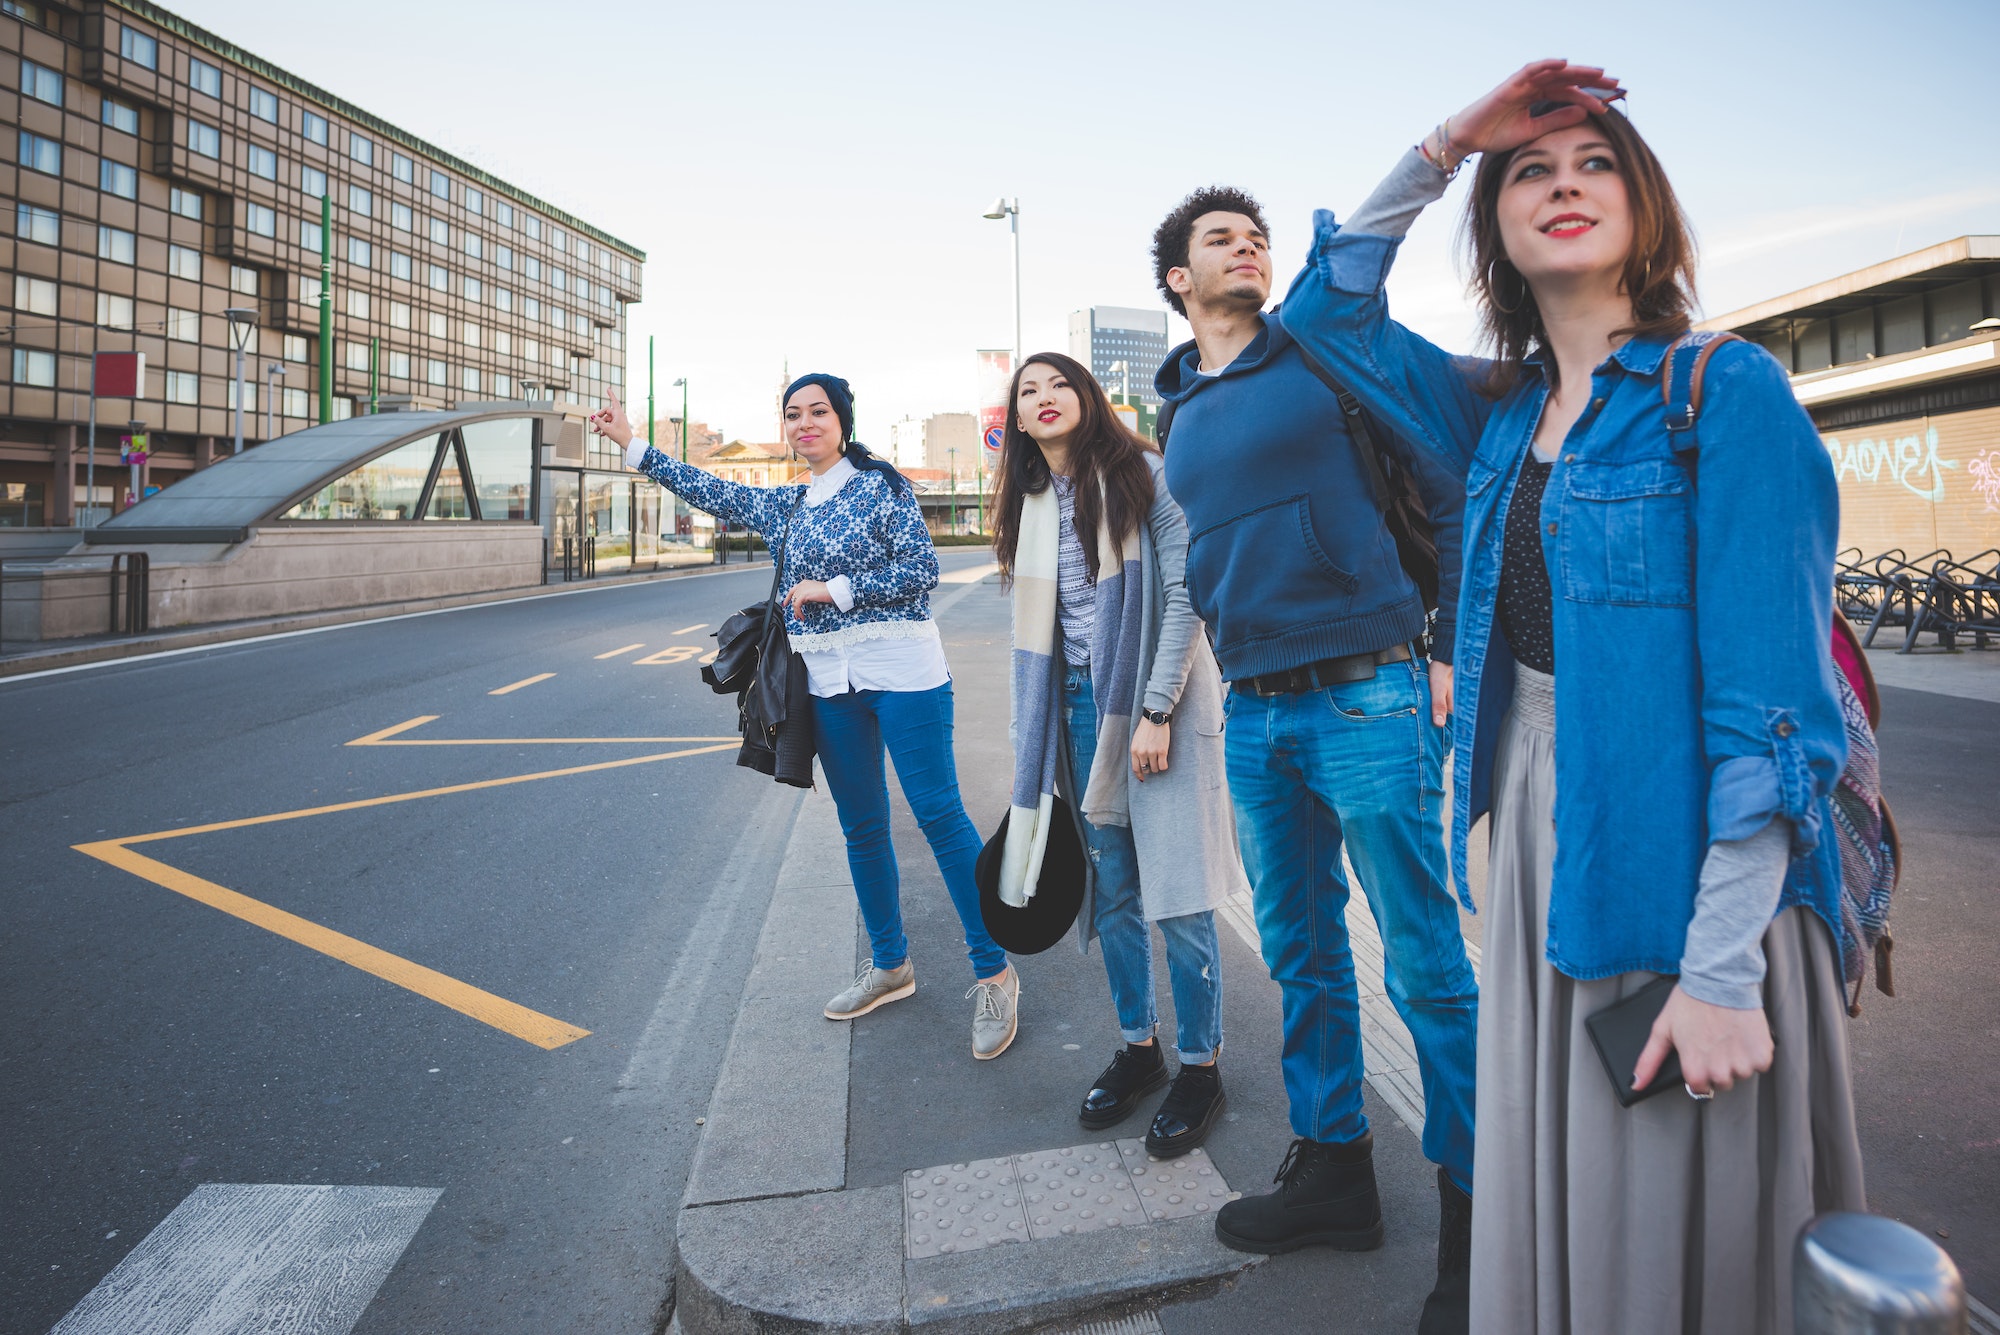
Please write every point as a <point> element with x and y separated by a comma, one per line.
<point>1114,680</point>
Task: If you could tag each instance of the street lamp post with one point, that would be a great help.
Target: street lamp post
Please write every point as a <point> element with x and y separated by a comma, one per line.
<point>1011,211</point>
<point>242,320</point>
<point>272,370</point>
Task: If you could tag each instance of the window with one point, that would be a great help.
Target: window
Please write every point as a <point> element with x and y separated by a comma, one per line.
<point>503,212</point>
<point>37,296</point>
<point>315,128</point>
<point>357,356</point>
<point>558,318</point>
<point>297,404</point>
<point>473,247</point>
<point>312,181</point>
<point>249,395</point>
<point>399,315</point>
<point>440,184</point>
<point>440,232</point>
<point>264,105</point>
<point>532,267</point>
<point>399,265</point>
<point>37,224</point>
<point>204,77</point>
<point>434,372</point>
<point>404,169</point>
<point>401,217</point>
<point>625,270</point>
<point>582,288</point>
<point>309,289</point>
<point>360,201</point>
<point>115,244</point>
<point>472,290</point>
<point>184,263</point>
<point>503,299</point>
<point>261,219</point>
<point>583,325</point>
<point>532,309</point>
<point>361,150</point>
<point>310,236</point>
<point>34,368</point>
<point>242,280</point>
<point>340,409</point>
<point>557,356</point>
<point>435,322</point>
<point>138,48</point>
<point>582,251</point>
<point>472,334</point>
<point>440,278</point>
<point>558,279</point>
<point>531,350</point>
<point>114,312</point>
<point>115,178</point>
<point>183,326</point>
<point>399,366</point>
<point>357,305</point>
<point>118,116</point>
<point>186,203</point>
<point>475,202</point>
<point>204,139</point>
<point>472,380</point>
<point>263,162</point>
<point>503,343</point>
<point>359,253</point>
<point>532,226</point>
<point>183,387</point>
<point>42,155</point>
<point>503,256</point>
<point>41,83</point>
<point>558,240</point>
<point>295,347</point>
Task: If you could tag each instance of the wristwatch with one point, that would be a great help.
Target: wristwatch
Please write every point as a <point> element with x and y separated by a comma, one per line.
<point>1155,716</point>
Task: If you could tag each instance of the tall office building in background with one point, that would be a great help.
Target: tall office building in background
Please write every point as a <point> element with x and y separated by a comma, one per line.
<point>159,174</point>
<point>1104,336</point>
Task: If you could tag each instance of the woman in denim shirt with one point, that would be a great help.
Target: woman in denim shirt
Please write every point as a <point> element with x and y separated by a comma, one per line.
<point>1682,826</point>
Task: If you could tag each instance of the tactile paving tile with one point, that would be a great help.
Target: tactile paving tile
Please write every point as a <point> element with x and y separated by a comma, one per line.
<point>1077,1190</point>
<point>1174,1188</point>
<point>961,1208</point>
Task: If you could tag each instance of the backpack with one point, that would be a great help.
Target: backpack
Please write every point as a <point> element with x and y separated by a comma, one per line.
<point>1871,853</point>
<point>1394,487</point>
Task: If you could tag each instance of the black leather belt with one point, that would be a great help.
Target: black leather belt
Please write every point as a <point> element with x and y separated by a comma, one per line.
<point>1326,672</point>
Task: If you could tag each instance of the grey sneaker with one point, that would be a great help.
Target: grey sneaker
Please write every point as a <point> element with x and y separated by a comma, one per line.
<point>873,987</point>
<point>995,1015</point>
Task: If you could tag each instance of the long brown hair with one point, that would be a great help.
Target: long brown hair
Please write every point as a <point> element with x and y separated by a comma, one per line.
<point>1107,465</point>
<point>1659,270</point>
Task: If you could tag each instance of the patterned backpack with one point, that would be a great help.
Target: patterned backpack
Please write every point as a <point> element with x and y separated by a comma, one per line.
<point>1871,854</point>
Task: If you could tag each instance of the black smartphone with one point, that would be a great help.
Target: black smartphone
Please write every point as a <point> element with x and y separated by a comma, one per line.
<point>1619,1033</point>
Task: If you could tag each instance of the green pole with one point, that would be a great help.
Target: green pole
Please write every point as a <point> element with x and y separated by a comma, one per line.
<point>650,442</point>
<point>374,358</point>
<point>325,310</point>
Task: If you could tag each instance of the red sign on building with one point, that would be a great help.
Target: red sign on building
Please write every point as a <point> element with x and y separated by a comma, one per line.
<point>120,375</point>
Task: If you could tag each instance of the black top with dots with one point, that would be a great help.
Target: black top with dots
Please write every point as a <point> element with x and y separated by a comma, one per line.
<point>1527,617</point>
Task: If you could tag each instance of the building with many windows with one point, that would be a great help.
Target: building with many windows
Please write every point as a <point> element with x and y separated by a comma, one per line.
<point>160,176</point>
<point>1132,341</point>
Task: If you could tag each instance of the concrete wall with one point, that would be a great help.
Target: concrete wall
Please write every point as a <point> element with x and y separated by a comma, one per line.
<point>277,572</point>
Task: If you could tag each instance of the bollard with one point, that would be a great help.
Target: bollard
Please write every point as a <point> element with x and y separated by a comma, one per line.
<point>1861,1274</point>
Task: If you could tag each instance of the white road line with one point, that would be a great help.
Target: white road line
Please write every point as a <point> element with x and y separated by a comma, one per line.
<point>971,574</point>
<point>272,1259</point>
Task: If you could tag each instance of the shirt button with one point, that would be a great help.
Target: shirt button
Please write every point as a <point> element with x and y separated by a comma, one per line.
<point>1785,729</point>
<point>1597,405</point>
<point>1552,528</point>
<point>1571,458</point>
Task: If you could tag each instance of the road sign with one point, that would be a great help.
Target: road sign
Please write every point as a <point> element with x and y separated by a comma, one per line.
<point>994,435</point>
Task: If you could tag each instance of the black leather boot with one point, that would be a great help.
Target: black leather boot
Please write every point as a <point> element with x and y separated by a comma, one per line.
<point>1134,1073</point>
<point>1448,1311</point>
<point>1325,1197</point>
<point>1188,1113</point>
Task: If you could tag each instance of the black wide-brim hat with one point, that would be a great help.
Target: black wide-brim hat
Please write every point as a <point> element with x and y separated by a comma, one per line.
<point>1042,921</point>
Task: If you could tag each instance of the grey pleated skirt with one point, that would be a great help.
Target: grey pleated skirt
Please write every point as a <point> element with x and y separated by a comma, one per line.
<point>1670,1217</point>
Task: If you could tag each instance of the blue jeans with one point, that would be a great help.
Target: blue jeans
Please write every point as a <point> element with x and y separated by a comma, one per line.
<point>1360,762</point>
<point>1194,958</point>
<point>915,727</point>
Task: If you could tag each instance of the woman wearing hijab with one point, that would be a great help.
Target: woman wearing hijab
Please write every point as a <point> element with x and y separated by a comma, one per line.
<point>858,571</point>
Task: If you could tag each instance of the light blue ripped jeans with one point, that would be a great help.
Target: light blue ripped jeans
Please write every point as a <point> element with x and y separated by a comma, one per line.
<point>1194,957</point>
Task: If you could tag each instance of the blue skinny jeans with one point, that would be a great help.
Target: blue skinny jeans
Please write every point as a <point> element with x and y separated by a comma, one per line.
<point>914,727</point>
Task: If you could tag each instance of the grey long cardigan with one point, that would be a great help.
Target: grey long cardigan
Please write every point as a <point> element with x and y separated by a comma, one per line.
<point>1182,822</point>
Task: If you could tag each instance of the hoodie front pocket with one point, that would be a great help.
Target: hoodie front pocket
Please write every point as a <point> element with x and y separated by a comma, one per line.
<point>1264,570</point>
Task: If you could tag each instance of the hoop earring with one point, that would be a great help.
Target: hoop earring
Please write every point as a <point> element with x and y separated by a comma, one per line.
<point>1493,289</point>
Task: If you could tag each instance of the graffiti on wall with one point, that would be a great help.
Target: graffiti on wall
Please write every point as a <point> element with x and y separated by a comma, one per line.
<point>1984,468</point>
<point>1910,461</point>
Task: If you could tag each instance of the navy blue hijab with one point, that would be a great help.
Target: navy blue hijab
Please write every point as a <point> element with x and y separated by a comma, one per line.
<point>841,396</point>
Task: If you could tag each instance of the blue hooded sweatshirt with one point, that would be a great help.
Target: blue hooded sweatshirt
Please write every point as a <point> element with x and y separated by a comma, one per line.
<point>1289,561</point>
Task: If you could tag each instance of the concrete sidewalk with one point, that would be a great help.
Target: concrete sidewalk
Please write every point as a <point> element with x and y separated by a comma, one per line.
<point>873,1177</point>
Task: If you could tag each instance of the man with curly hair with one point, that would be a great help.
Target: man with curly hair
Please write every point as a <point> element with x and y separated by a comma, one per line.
<point>1335,730</point>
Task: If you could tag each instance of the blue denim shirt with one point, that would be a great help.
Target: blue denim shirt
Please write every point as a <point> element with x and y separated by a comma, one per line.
<point>1695,699</point>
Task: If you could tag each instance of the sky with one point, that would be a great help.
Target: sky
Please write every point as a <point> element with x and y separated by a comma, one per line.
<point>807,180</point>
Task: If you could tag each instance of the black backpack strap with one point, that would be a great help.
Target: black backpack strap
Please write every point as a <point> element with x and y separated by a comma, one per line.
<point>1357,427</point>
<point>1162,420</point>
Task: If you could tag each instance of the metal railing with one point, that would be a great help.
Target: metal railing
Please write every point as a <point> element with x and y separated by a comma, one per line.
<point>1933,594</point>
<point>579,557</point>
<point>1861,1274</point>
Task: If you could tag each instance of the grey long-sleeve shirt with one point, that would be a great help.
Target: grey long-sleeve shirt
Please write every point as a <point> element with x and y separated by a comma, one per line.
<point>1741,879</point>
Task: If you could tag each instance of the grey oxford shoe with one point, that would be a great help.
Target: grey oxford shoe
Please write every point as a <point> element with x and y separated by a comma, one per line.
<point>873,987</point>
<point>995,1014</point>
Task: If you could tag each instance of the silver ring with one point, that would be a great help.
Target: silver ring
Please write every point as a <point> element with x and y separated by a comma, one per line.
<point>1698,1098</point>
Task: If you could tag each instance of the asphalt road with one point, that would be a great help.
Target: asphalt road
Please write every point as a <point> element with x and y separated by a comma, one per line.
<point>160,1043</point>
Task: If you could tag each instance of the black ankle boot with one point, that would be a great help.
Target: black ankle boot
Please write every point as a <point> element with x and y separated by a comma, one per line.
<point>1134,1073</point>
<point>1448,1310</point>
<point>1187,1113</point>
<point>1325,1197</point>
